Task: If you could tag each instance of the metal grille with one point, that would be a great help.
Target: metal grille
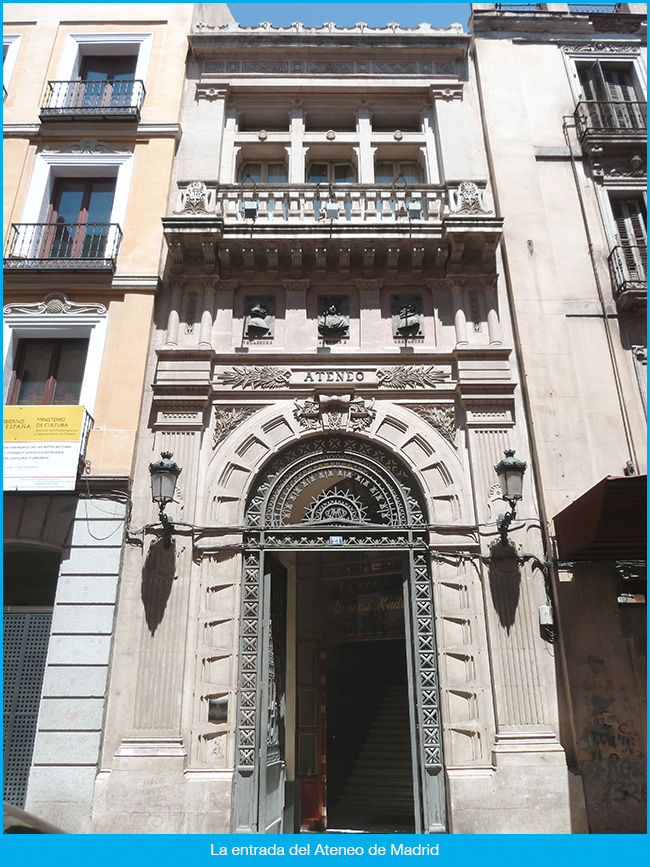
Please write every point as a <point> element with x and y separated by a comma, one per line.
<point>26,637</point>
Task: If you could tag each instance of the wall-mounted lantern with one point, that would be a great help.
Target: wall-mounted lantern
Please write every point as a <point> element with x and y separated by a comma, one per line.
<point>510,471</point>
<point>164,475</point>
<point>250,207</point>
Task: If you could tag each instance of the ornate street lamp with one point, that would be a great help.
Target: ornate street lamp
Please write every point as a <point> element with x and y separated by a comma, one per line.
<point>164,475</point>
<point>510,471</point>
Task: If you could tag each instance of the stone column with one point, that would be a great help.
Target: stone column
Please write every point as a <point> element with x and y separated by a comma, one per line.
<point>174,319</point>
<point>493,323</point>
<point>207,314</point>
<point>296,149</point>
<point>366,174</point>
<point>460,318</point>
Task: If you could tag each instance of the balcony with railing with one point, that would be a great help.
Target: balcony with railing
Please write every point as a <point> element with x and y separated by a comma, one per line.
<point>78,100</point>
<point>618,121</point>
<point>62,246</point>
<point>441,222</point>
<point>628,270</point>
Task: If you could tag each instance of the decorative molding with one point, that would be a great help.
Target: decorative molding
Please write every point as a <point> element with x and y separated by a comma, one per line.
<point>369,285</point>
<point>196,199</point>
<point>208,91</point>
<point>601,48</point>
<point>296,285</point>
<point>329,27</point>
<point>54,304</point>
<point>441,418</point>
<point>256,377</point>
<point>468,199</point>
<point>640,354</point>
<point>86,146</point>
<point>410,377</point>
<point>227,420</point>
<point>334,412</point>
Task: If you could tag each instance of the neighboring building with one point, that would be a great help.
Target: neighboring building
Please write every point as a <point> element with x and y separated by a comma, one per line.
<point>91,123</point>
<point>563,101</point>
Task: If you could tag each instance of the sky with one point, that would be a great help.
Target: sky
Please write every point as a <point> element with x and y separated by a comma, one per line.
<point>346,14</point>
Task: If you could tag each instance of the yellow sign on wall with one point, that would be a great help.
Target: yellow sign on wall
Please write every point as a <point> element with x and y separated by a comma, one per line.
<point>28,424</point>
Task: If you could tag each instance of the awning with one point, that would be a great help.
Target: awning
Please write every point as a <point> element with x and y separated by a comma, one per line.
<point>608,522</point>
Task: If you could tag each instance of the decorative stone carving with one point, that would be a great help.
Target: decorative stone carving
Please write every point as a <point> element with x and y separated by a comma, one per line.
<point>407,316</point>
<point>260,317</point>
<point>227,420</point>
<point>410,377</point>
<point>369,285</point>
<point>601,48</point>
<point>195,199</point>
<point>333,317</point>
<point>54,304</point>
<point>204,91</point>
<point>256,377</point>
<point>640,353</point>
<point>86,146</point>
<point>296,285</point>
<point>441,418</point>
<point>334,412</point>
<point>468,199</point>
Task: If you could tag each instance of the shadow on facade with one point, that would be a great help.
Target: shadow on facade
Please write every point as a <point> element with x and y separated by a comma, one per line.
<point>157,579</point>
<point>505,583</point>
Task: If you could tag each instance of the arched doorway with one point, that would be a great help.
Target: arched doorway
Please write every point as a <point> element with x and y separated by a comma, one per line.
<point>355,659</point>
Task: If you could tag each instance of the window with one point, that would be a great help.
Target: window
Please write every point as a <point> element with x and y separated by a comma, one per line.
<point>10,47</point>
<point>78,219</point>
<point>331,172</point>
<point>631,227</point>
<point>389,171</point>
<point>53,351</point>
<point>264,173</point>
<point>612,100</point>
<point>108,80</point>
<point>48,372</point>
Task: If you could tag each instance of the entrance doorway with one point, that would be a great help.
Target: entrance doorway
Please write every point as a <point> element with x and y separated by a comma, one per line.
<point>343,519</point>
<point>353,728</point>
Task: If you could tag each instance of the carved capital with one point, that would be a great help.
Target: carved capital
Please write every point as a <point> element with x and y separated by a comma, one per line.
<point>369,285</point>
<point>296,285</point>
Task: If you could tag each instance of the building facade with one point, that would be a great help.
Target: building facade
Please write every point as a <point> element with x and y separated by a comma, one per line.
<point>388,260</point>
<point>91,115</point>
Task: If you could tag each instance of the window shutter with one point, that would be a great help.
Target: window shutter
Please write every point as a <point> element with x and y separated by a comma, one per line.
<point>630,218</point>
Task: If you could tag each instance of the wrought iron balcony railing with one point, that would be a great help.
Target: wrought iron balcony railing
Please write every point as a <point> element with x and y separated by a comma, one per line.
<point>86,99</point>
<point>69,246</point>
<point>615,117</point>
<point>628,270</point>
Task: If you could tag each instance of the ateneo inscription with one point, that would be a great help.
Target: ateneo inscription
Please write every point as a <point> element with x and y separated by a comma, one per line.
<point>334,376</point>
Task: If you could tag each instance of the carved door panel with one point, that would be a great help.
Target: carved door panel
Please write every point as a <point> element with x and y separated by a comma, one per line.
<point>426,739</point>
<point>273,706</point>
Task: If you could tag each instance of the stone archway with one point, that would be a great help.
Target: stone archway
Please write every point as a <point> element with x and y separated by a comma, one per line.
<point>323,493</point>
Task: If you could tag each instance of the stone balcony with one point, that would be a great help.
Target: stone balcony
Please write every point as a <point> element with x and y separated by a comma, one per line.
<point>366,228</point>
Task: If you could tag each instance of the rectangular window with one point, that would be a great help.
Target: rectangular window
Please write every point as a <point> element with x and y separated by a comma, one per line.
<point>79,218</point>
<point>631,227</point>
<point>107,80</point>
<point>611,96</point>
<point>48,372</point>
